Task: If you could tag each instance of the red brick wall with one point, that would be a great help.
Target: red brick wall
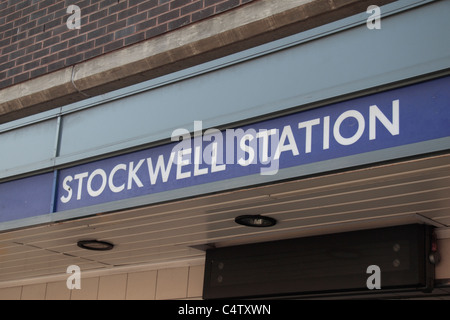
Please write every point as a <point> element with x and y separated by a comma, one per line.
<point>35,40</point>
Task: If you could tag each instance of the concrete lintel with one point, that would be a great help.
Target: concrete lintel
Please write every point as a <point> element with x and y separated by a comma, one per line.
<point>236,30</point>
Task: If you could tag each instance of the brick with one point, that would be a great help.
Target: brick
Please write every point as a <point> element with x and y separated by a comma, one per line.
<point>46,3</point>
<point>202,14</point>
<point>38,72</point>
<point>89,27</point>
<point>118,7</point>
<point>93,53</point>
<point>96,33</point>
<point>54,23</point>
<point>4,59</point>
<point>58,47</point>
<point>136,18</point>
<point>134,38</point>
<point>45,19</point>
<point>149,4</point>
<point>56,66</point>
<point>195,6</point>
<point>49,59</point>
<point>38,14</point>
<point>98,15</point>
<point>7,27</point>
<point>211,2</point>
<point>126,13</point>
<point>106,3</point>
<point>43,36</point>
<point>24,59</point>
<point>18,37</point>
<point>6,83</point>
<point>14,71</point>
<point>156,31</point>
<point>124,32</point>
<point>113,46</point>
<point>108,20</point>
<point>179,3</point>
<point>7,65</point>
<point>34,47</point>
<point>105,39</point>
<point>146,24</point>
<point>28,25</point>
<point>22,77</point>
<point>51,41</point>
<point>9,48</point>
<point>41,53</point>
<point>168,16</point>
<point>22,4</point>
<point>60,13</point>
<point>21,21</point>
<point>227,5</point>
<point>179,23</point>
<point>90,9</point>
<point>158,11</point>
<point>74,59</point>
<point>57,7</point>
<point>34,38</point>
<point>116,26</point>
<point>13,16</point>
<point>35,31</point>
<point>5,42</point>
<point>67,53</point>
<point>31,65</point>
<point>77,40</point>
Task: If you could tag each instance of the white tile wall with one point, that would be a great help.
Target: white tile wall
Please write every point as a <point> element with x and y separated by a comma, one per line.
<point>162,284</point>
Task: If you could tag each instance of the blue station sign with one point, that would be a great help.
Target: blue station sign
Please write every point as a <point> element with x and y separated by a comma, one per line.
<point>392,124</point>
<point>386,120</point>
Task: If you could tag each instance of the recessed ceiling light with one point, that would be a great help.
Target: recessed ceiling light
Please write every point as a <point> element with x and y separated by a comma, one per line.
<point>95,245</point>
<point>255,221</point>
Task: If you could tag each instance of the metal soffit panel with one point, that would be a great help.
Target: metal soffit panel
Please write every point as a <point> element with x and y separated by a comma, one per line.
<point>416,190</point>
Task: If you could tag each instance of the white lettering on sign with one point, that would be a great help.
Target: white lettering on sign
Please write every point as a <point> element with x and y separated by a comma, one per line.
<point>204,153</point>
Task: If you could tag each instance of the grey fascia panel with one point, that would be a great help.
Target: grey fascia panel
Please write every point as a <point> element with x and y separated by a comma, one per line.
<point>147,113</point>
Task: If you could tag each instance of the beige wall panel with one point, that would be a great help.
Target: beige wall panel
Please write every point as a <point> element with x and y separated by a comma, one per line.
<point>195,284</point>
<point>172,283</point>
<point>57,291</point>
<point>163,284</point>
<point>10,293</point>
<point>34,291</point>
<point>141,285</point>
<point>88,291</point>
<point>112,287</point>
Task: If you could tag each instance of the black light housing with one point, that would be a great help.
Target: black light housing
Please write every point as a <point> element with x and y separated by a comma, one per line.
<point>95,245</point>
<point>256,221</point>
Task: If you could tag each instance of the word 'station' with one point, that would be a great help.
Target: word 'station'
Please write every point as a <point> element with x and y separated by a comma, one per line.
<point>213,153</point>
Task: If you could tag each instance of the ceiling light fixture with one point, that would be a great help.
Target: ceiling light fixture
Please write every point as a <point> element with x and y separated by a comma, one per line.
<point>95,245</point>
<point>256,220</point>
